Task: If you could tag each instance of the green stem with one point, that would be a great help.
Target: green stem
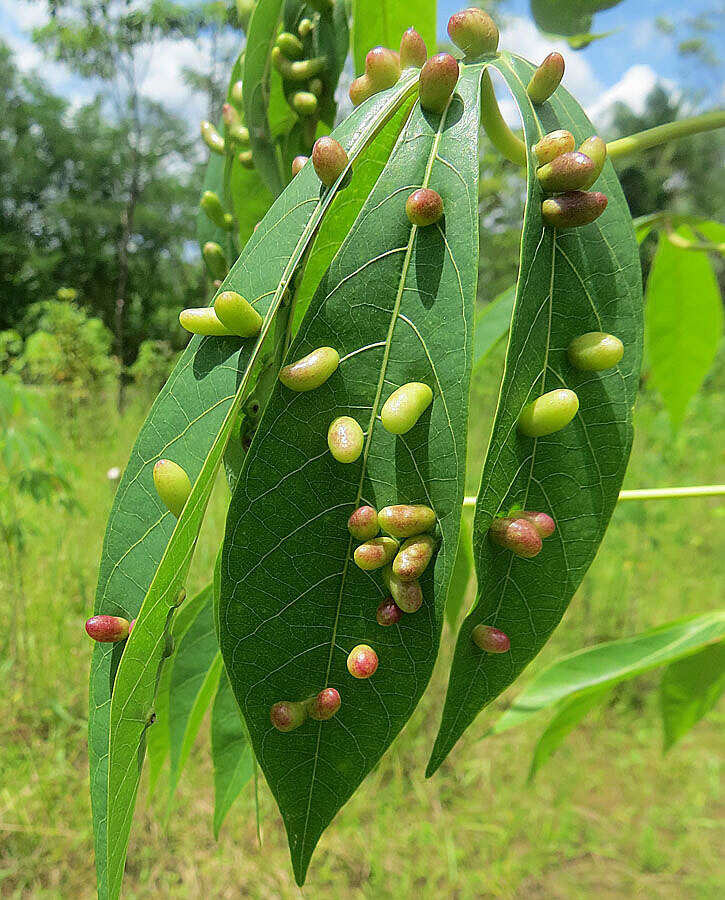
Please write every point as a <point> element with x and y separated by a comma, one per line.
<point>674,493</point>
<point>663,133</point>
<point>503,139</point>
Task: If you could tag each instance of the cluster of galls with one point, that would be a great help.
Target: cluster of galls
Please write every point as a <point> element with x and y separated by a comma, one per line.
<point>237,134</point>
<point>286,715</point>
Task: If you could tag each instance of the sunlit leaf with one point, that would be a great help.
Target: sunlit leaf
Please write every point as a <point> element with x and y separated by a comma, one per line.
<point>382,23</point>
<point>689,689</point>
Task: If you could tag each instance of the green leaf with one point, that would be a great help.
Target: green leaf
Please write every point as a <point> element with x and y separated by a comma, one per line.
<point>492,324</point>
<point>146,553</point>
<point>206,230</point>
<point>689,689</point>
<point>230,751</point>
<point>397,304</point>
<point>382,23</point>
<point>461,576</point>
<point>684,322</point>
<point>572,18</point>
<point>570,282</point>
<point>612,662</point>
<point>712,231</point>
<point>569,714</point>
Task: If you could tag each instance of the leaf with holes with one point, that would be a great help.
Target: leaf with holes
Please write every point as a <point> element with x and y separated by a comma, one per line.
<point>570,282</point>
<point>397,304</point>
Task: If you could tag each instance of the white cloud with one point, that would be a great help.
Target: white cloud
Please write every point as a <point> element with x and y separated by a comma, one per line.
<point>24,15</point>
<point>633,88</point>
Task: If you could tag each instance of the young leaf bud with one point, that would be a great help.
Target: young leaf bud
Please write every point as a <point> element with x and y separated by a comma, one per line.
<point>245,159</point>
<point>212,138</point>
<point>573,209</point>
<point>407,594</point>
<point>595,351</point>
<point>290,45</point>
<point>305,27</point>
<point>406,520</point>
<point>216,262</point>
<point>517,535</point>
<point>413,557</point>
<point>203,320</point>
<point>382,66</point>
<point>329,159</point>
<point>362,661</point>
<point>311,371</point>
<point>297,164</point>
<point>405,406</point>
<point>424,207</point>
<point>413,51</point>
<point>237,314</point>
<point>596,149</point>
<point>474,31</point>
<point>108,629</point>
<point>211,204</point>
<point>375,553</point>
<point>286,715</point>
<point>568,172</point>
<point>304,103</point>
<point>546,78</point>
<point>172,485</point>
<point>437,82</point>
<point>388,613</point>
<point>548,413</point>
<point>543,523</point>
<point>324,705</point>
<point>490,639</point>
<point>236,95</point>
<point>360,89</point>
<point>345,439</point>
<point>554,144</point>
<point>363,523</point>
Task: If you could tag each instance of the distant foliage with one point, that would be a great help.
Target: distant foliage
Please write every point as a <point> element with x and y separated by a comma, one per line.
<point>153,364</point>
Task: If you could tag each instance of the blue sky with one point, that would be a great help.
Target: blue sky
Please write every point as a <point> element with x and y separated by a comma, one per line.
<point>624,66</point>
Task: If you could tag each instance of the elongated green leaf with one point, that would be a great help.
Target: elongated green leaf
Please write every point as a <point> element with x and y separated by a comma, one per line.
<point>382,23</point>
<point>397,304</point>
<point>713,232</point>
<point>570,282</point>
<point>568,715</point>
<point>461,576</point>
<point>684,322</point>
<point>230,750</point>
<point>689,689</point>
<point>607,664</point>
<point>492,324</point>
<point>146,555</point>
<point>572,18</point>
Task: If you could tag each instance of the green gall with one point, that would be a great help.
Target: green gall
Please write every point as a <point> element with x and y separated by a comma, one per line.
<point>216,261</point>
<point>324,705</point>
<point>490,639</point>
<point>290,45</point>
<point>228,222</point>
<point>305,27</point>
<point>573,209</point>
<point>172,485</point>
<point>363,523</point>
<point>408,595</point>
<point>212,138</point>
<point>345,439</point>
<point>413,51</point>
<point>329,159</point>
<point>438,79</point>
<point>297,164</point>
<point>567,172</point>
<point>406,520</point>
<point>474,31</point>
<point>203,320</point>
<point>301,70</point>
<point>554,144</point>
<point>375,553</point>
<point>236,95</point>
<point>317,87</point>
<point>546,78</point>
<point>596,149</point>
<point>548,413</point>
<point>405,406</point>
<point>424,207</point>
<point>237,314</point>
<point>388,613</point>
<point>517,535</point>
<point>212,206</point>
<point>413,557</point>
<point>360,89</point>
<point>108,629</point>
<point>362,661</point>
<point>595,351</point>
<point>310,371</point>
<point>542,522</point>
<point>304,103</point>
<point>286,715</point>
<point>245,159</point>
<point>382,66</point>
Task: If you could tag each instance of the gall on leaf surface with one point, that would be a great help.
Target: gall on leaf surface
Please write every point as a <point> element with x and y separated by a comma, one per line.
<point>397,304</point>
<point>570,282</point>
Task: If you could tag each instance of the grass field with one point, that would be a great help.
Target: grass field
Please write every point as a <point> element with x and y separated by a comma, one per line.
<point>608,817</point>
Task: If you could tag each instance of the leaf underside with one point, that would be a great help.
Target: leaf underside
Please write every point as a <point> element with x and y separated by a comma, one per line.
<point>397,304</point>
<point>570,282</point>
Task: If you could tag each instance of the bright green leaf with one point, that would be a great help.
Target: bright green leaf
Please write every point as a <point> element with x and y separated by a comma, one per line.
<point>572,18</point>
<point>382,23</point>
<point>230,751</point>
<point>689,689</point>
<point>462,570</point>
<point>492,324</point>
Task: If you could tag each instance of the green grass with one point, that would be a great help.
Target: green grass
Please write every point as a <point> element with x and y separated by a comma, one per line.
<point>608,817</point>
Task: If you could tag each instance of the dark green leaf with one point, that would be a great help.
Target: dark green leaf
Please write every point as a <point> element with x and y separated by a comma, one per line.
<point>689,689</point>
<point>397,304</point>
<point>230,751</point>
<point>382,23</point>
<point>462,570</point>
<point>492,324</point>
<point>570,282</point>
